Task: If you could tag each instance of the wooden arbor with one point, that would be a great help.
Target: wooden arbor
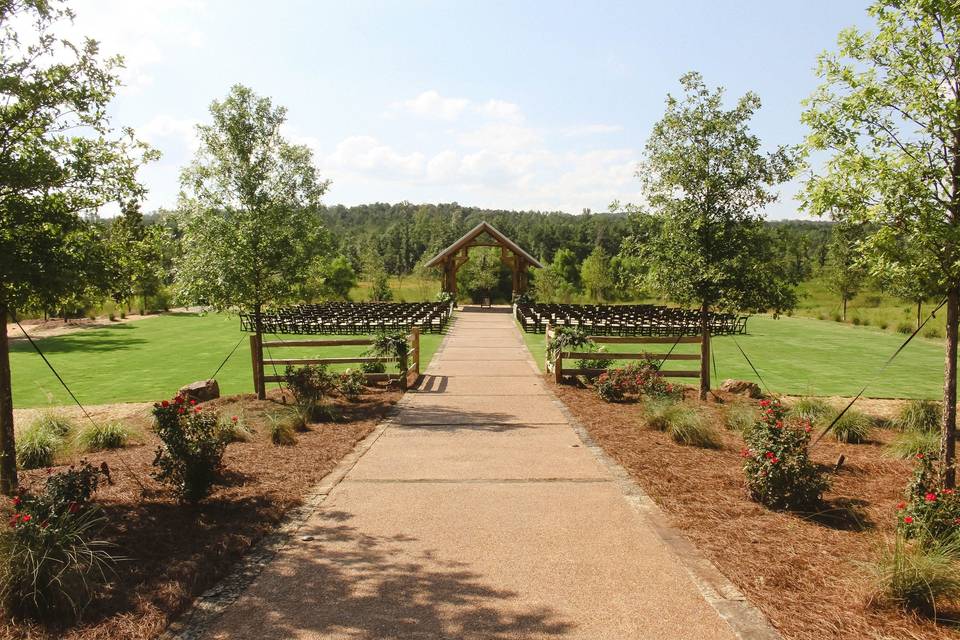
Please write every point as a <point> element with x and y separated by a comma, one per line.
<point>484,235</point>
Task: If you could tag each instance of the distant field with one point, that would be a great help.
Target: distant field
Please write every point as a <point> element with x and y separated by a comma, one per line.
<point>805,356</point>
<point>147,360</point>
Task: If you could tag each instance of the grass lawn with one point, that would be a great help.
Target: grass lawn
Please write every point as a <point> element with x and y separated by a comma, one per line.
<point>149,360</point>
<point>806,356</point>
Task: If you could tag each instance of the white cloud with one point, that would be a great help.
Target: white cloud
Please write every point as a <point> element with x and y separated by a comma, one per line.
<point>430,104</point>
<point>163,130</point>
<point>592,129</point>
<point>500,136</point>
<point>143,32</point>
<point>367,154</point>
<point>501,110</point>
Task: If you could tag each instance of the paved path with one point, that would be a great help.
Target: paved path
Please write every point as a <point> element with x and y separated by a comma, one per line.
<point>477,514</point>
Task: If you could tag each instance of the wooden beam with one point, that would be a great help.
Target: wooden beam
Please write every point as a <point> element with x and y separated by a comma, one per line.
<point>586,355</point>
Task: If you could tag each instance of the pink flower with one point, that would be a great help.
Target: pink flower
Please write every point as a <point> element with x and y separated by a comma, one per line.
<point>234,418</point>
<point>930,497</point>
<point>920,456</point>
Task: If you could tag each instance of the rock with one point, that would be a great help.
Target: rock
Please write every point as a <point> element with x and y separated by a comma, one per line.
<point>740,387</point>
<point>201,391</point>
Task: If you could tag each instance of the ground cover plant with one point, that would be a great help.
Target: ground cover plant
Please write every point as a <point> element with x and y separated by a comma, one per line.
<point>142,360</point>
<point>174,552</point>
<point>821,584</point>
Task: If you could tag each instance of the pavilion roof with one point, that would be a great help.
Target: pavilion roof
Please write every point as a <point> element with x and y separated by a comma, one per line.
<point>473,234</point>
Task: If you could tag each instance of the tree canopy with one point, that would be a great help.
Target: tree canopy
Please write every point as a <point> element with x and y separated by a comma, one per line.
<point>888,115</point>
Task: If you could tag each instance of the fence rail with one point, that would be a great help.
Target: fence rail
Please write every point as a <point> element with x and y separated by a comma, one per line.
<point>558,370</point>
<point>408,364</point>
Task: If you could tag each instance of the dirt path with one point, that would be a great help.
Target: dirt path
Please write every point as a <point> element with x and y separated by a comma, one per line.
<point>480,513</point>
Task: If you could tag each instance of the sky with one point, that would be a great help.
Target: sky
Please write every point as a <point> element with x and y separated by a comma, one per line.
<point>518,105</point>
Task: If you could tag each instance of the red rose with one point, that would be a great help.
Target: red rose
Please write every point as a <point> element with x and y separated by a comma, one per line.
<point>73,507</point>
<point>919,456</point>
<point>16,501</point>
<point>192,401</point>
<point>165,404</point>
<point>908,519</point>
<point>234,418</point>
<point>25,517</point>
<point>947,492</point>
<point>901,505</point>
<point>930,497</point>
<point>774,460</point>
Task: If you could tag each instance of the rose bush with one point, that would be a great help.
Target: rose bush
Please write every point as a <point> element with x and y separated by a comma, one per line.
<point>777,465</point>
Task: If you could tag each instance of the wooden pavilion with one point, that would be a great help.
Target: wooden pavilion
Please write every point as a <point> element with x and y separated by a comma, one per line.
<point>484,235</point>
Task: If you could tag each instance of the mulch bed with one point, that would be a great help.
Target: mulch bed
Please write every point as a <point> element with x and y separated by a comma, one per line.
<point>175,552</point>
<point>801,571</point>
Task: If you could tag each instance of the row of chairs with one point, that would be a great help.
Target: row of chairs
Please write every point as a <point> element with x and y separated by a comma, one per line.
<point>627,320</point>
<point>346,318</point>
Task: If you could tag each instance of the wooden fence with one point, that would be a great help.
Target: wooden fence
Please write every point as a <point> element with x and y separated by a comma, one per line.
<point>409,364</point>
<point>703,372</point>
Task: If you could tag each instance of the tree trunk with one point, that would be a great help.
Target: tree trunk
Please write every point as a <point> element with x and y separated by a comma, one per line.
<point>704,352</point>
<point>8,451</point>
<point>919,310</point>
<point>844,316</point>
<point>949,431</point>
<point>258,331</point>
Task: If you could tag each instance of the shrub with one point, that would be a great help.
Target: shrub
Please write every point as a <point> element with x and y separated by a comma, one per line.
<point>37,447</point>
<point>920,415</point>
<point>50,562</point>
<point>686,427</point>
<point>589,363</point>
<point>566,339</point>
<point>282,431</point>
<point>930,513</point>
<point>191,450</point>
<point>607,388</point>
<point>351,383</point>
<point>837,317</point>
<point>123,315</point>
<point>905,328</point>
<point>97,437</point>
<point>915,576</point>
<point>811,410</point>
<point>309,386</point>
<point>657,413</point>
<point>856,321</point>
<point>932,332</point>
<point>635,378</point>
<point>908,444</point>
<point>884,325</point>
<point>235,429</point>
<point>390,344</point>
<point>739,417</point>
<point>777,463</point>
<point>56,423</point>
<point>853,427</point>
<point>373,367</point>
<point>112,317</point>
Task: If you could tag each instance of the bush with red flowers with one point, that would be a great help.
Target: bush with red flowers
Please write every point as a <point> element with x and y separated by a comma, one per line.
<point>51,563</point>
<point>191,449</point>
<point>637,379</point>
<point>930,512</point>
<point>779,472</point>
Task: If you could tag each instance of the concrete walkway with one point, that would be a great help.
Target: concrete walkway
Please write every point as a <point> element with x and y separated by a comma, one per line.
<point>479,514</point>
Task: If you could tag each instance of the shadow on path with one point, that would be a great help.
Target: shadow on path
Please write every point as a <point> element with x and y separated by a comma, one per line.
<point>346,584</point>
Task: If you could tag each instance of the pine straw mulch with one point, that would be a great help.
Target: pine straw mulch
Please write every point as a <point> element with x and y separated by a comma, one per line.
<point>802,571</point>
<point>175,552</point>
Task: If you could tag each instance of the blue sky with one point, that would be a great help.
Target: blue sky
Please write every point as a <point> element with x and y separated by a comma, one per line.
<point>519,105</point>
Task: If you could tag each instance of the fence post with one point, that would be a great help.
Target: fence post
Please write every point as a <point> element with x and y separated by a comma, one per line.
<point>416,350</point>
<point>256,355</point>
<point>704,364</point>
<point>403,371</point>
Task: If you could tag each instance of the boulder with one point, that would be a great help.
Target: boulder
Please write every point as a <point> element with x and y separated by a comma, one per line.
<point>201,390</point>
<point>741,387</point>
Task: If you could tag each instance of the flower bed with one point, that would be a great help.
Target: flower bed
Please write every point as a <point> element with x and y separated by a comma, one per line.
<point>174,551</point>
<point>802,571</point>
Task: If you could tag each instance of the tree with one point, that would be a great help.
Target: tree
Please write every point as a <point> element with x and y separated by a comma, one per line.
<point>61,162</point>
<point>567,264</point>
<point>888,114</point>
<point>375,273</point>
<point>330,279</point>
<point>549,285</point>
<point>844,274</point>
<point>481,273</point>
<point>248,233</point>
<point>706,182</point>
<point>596,275</point>
<point>139,256</point>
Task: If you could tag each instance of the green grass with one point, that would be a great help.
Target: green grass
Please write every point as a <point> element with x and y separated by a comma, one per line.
<point>150,359</point>
<point>803,356</point>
